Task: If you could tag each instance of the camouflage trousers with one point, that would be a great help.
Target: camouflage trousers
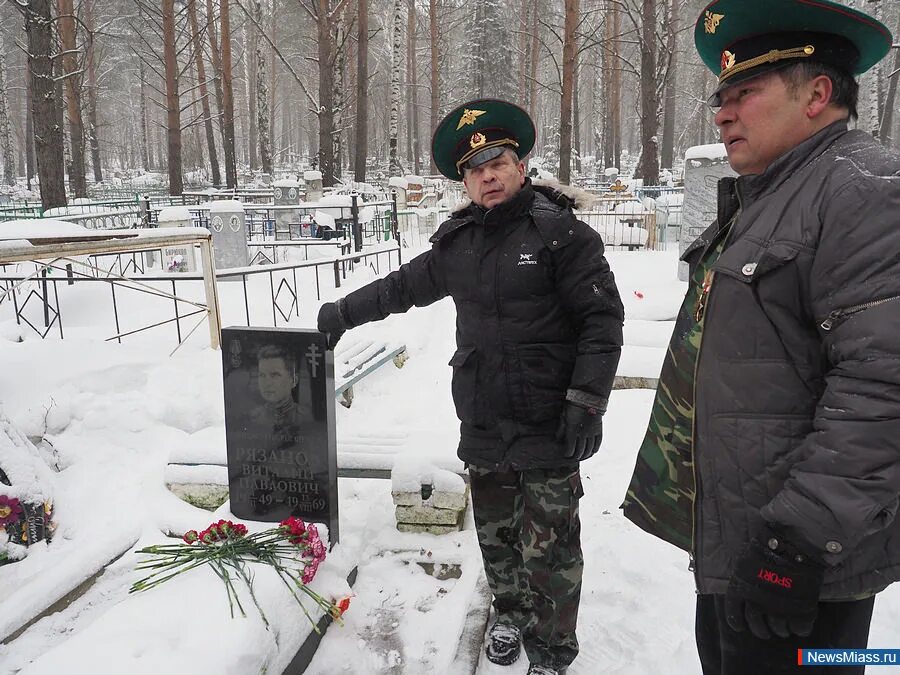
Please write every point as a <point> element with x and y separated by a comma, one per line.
<point>530,538</point>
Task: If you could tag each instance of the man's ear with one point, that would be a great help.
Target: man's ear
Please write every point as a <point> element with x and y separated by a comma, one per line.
<point>521,173</point>
<point>820,91</point>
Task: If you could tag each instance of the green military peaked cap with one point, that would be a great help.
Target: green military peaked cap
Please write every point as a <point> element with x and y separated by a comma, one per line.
<point>477,131</point>
<point>740,39</point>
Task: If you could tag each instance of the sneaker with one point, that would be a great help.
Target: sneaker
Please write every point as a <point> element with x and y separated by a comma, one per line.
<point>503,644</point>
<point>537,669</point>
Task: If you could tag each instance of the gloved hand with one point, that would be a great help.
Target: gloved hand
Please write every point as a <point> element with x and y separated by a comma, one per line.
<point>331,323</point>
<point>774,589</point>
<point>582,429</point>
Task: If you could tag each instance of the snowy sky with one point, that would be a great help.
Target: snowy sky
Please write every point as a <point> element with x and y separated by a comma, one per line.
<point>114,415</point>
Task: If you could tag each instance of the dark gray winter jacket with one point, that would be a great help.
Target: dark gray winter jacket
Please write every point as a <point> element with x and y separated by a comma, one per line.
<point>798,376</point>
<point>537,312</point>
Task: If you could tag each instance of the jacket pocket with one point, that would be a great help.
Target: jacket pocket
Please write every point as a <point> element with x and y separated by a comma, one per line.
<point>465,375</point>
<point>749,261</point>
<point>545,370</point>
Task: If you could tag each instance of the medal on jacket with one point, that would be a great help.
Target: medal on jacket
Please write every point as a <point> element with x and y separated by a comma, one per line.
<point>704,294</point>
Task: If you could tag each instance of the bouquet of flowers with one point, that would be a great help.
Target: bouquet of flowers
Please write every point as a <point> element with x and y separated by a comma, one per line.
<point>293,549</point>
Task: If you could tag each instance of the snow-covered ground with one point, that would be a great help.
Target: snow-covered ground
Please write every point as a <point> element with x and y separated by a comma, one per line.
<point>114,415</point>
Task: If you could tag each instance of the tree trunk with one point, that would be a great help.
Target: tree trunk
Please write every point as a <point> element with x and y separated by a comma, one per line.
<point>251,39</point>
<point>535,51</point>
<point>413,88</point>
<point>667,156</point>
<point>6,148</point>
<point>273,82</point>
<point>890,99</point>
<point>338,95</point>
<point>91,67</point>
<point>649,100</point>
<point>395,169</point>
<point>362,93</point>
<point>197,39</point>
<point>576,120</point>
<point>523,51</point>
<point>72,84</point>
<point>46,106</point>
<point>228,98</point>
<point>216,58</point>
<point>262,97</point>
<point>435,71</point>
<point>568,85</point>
<point>326,92</point>
<point>173,102</point>
<point>145,142</point>
<point>30,162</point>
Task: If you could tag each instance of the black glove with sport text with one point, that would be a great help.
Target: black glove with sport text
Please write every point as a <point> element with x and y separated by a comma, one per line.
<point>331,322</point>
<point>581,425</point>
<point>774,589</point>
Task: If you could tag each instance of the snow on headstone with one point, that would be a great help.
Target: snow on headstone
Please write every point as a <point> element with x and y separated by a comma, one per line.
<point>26,502</point>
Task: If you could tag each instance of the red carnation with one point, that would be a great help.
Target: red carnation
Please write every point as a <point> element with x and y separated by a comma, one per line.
<point>191,536</point>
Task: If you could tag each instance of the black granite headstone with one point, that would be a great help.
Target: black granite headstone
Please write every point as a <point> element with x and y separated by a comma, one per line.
<point>279,425</point>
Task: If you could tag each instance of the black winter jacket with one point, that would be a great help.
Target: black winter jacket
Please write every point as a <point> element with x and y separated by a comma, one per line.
<point>538,313</point>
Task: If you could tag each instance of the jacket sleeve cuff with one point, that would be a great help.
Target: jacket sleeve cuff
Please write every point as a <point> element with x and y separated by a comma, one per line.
<point>586,400</point>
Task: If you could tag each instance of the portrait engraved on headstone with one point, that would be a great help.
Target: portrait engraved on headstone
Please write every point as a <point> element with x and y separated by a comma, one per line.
<point>279,425</point>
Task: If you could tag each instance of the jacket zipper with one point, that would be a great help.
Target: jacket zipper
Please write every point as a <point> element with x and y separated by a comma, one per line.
<point>838,315</point>
<point>694,555</point>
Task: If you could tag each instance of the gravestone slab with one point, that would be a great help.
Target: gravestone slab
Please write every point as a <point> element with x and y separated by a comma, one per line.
<point>279,425</point>
<point>704,165</point>
<point>229,235</point>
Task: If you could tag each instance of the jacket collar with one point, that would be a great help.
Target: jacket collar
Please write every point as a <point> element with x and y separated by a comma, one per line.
<point>511,209</point>
<point>751,187</point>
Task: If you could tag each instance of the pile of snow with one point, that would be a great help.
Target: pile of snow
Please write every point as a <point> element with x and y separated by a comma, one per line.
<point>40,227</point>
<point>711,152</point>
<point>312,175</point>
<point>225,206</point>
<point>174,214</point>
<point>398,182</point>
<point>286,183</point>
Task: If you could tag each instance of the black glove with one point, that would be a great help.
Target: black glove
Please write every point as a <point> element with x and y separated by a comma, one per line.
<point>774,589</point>
<point>331,322</point>
<point>582,429</point>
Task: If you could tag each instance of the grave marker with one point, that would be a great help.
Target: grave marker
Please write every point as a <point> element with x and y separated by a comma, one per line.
<point>279,425</point>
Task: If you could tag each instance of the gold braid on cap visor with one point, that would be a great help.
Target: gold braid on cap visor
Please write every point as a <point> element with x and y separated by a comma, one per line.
<point>484,146</point>
<point>768,57</point>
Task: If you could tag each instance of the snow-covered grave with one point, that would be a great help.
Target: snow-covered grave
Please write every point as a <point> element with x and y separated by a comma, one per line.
<point>106,419</point>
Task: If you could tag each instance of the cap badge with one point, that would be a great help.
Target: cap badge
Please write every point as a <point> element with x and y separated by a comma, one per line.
<point>477,140</point>
<point>469,117</point>
<point>727,60</point>
<point>712,21</point>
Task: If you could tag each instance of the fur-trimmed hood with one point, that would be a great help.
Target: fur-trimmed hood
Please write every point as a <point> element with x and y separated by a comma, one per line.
<point>565,195</point>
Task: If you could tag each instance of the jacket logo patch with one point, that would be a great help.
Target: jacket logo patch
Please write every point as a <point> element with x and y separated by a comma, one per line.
<point>526,259</point>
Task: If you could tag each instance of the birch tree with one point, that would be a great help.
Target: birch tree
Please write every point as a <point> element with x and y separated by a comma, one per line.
<point>262,99</point>
<point>362,91</point>
<point>6,149</point>
<point>396,60</point>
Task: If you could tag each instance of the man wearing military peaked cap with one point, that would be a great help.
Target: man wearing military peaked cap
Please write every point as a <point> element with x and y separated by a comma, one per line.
<point>741,39</point>
<point>538,338</point>
<point>772,455</point>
